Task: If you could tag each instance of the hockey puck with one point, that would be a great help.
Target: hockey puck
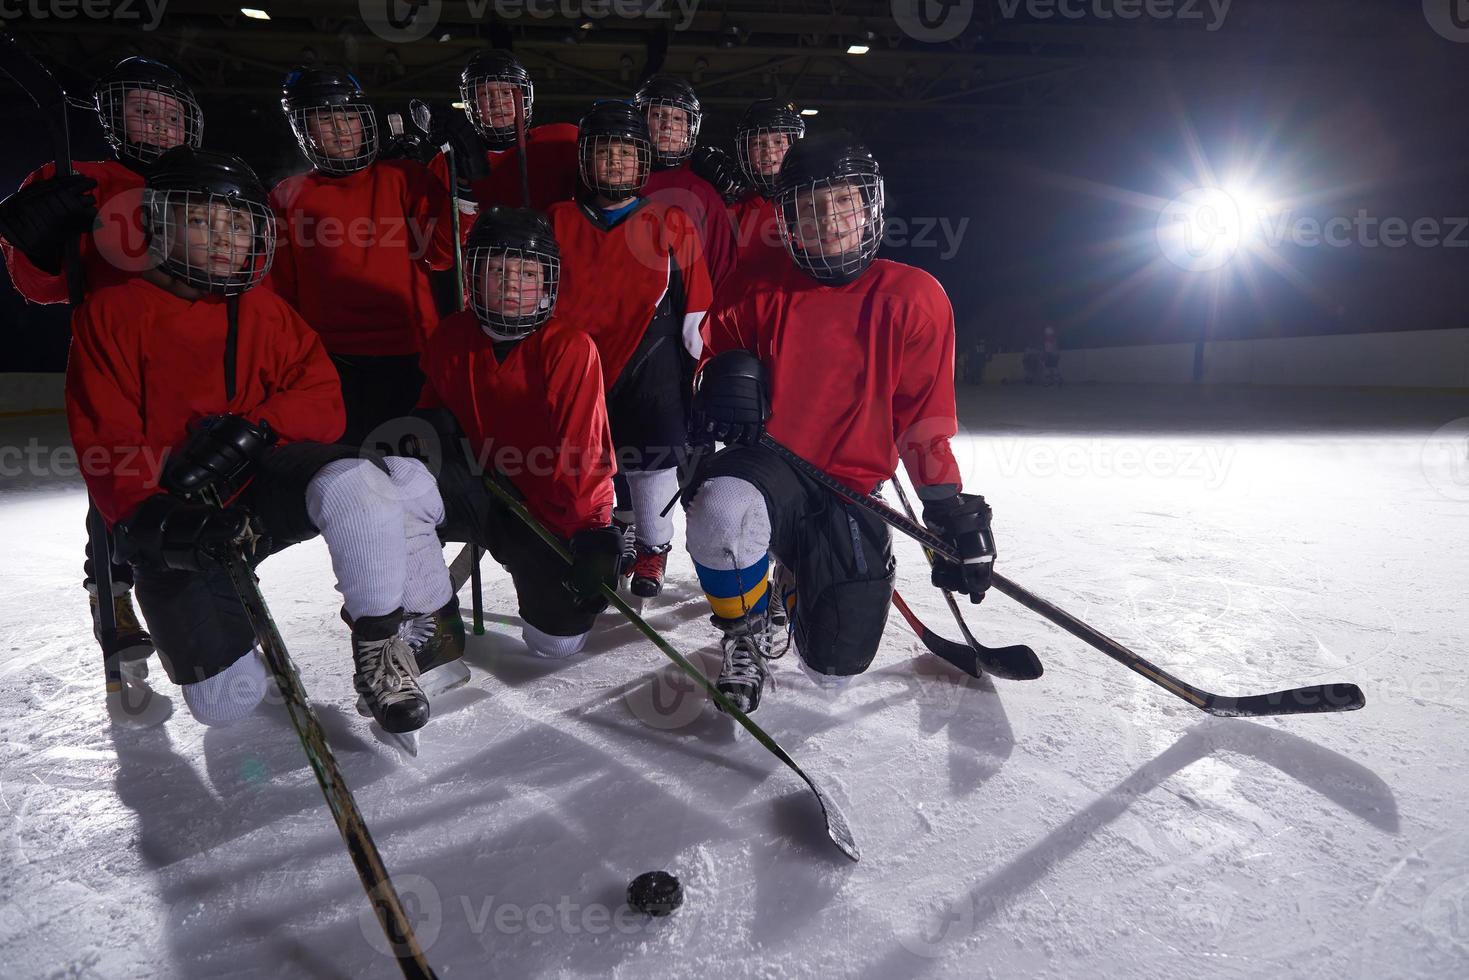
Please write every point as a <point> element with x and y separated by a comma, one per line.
<point>655,893</point>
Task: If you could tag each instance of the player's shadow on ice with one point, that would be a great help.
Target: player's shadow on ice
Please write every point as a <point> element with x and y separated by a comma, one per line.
<point>1344,781</point>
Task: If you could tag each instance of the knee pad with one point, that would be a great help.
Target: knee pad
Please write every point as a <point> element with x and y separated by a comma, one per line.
<point>417,489</point>
<point>549,647</point>
<point>728,524</point>
<point>230,695</point>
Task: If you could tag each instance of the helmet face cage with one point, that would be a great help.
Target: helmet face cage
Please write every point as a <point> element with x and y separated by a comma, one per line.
<point>170,112</point>
<point>761,180</point>
<point>616,188</point>
<point>666,159</point>
<point>833,227</point>
<point>498,279</point>
<point>220,243</point>
<point>471,88</point>
<point>329,118</point>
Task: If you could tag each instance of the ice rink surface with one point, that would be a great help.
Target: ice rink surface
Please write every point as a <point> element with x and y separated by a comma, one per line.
<point>1082,825</point>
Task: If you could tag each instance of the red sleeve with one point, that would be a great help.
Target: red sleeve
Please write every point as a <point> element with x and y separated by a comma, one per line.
<point>306,403</point>
<point>36,285</point>
<point>104,410</point>
<point>719,236</point>
<point>698,292</point>
<point>281,279</point>
<point>429,204</point>
<point>582,471</point>
<point>924,413</point>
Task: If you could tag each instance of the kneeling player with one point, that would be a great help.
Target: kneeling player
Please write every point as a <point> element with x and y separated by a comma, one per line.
<point>854,360</point>
<point>528,394</point>
<point>188,363</point>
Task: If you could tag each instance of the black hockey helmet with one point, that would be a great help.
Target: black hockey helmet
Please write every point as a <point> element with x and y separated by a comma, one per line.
<point>166,109</point>
<point>486,67</point>
<point>514,236</point>
<point>830,187</point>
<point>665,90</point>
<point>765,117</point>
<point>331,96</point>
<point>208,220</point>
<point>608,122</point>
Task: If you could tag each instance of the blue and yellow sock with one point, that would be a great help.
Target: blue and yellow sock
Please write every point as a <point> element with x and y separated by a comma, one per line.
<point>733,592</point>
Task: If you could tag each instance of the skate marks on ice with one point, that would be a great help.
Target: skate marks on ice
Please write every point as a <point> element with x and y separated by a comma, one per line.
<point>958,921</point>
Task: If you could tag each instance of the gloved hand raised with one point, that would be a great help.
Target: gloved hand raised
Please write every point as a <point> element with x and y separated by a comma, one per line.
<point>39,219</point>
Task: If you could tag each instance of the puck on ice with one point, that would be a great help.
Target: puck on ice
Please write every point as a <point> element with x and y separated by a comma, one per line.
<point>655,893</point>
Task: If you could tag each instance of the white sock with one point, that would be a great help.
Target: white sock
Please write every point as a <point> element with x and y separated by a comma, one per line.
<point>356,508</point>
<point>426,585</point>
<point>230,695</point>
<point>551,647</point>
<point>650,491</point>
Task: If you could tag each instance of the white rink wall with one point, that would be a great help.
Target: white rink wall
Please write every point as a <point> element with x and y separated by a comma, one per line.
<point>31,392</point>
<point>1405,359</point>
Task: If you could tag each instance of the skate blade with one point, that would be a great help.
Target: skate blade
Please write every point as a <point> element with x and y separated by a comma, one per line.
<point>138,706</point>
<point>445,677</point>
<point>406,742</point>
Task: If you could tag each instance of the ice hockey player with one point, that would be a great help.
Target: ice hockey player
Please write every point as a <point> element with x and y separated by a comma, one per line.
<point>674,117</point>
<point>145,108</point>
<point>853,359</point>
<point>359,237</point>
<point>764,135</point>
<point>489,87</point>
<point>186,384</point>
<point>522,393</point>
<point>633,278</point>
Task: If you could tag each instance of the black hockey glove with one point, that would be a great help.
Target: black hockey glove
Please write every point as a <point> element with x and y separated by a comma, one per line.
<point>595,553</point>
<point>964,520</point>
<point>221,452</point>
<point>169,533</point>
<point>721,170</point>
<point>39,219</point>
<point>452,126</point>
<point>408,146</point>
<point>731,400</point>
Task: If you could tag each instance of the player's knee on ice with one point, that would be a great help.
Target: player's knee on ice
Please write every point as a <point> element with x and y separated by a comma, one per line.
<point>231,695</point>
<point>551,647</point>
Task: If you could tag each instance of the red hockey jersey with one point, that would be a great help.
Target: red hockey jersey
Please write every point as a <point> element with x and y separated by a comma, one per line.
<point>539,417</point>
<point>354,254</point>
<point>860,374</point>
<point>696,197</point>
<point>554,172</point>
<point>757,236</point>
<point>612,279</point>
<point>144,363</point>
<point>113,253</point>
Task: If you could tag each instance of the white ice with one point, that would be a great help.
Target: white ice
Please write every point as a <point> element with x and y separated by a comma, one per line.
<point>1085,824</point>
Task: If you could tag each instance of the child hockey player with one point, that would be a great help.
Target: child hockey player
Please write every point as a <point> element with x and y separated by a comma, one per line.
<point>853,359</point>
<point>489,87</point>
<point>186,384</point>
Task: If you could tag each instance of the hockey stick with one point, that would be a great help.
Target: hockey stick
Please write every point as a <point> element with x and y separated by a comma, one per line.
<point>524,150</point>
<point>1314,699</point>
<point>836,823</point>
<point>974,645</point>
<point>369,863</point>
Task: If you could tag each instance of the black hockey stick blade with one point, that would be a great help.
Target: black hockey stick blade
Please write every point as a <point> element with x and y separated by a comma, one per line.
<point>1012,663</point>
<point>1313,700</point>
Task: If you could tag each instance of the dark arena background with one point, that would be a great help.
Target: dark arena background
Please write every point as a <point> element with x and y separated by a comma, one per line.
<point>1209,268</point>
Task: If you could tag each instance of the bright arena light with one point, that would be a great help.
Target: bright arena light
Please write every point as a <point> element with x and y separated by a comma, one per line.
<point>254,13</point>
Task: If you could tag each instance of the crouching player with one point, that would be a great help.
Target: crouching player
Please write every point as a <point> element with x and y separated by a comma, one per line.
<point>526,391</point>
<point>190,364</point>
<point>853,358</point>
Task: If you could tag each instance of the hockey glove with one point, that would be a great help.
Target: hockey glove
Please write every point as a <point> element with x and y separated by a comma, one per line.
<point>721,170</point>
<point>595,555</point>
<point>39,219</point>
<point>452,127</point>
<point>221,451</point>
<point>407,146</point>
<point>964,520</point>
<point>169,533</point>
<point>731,400</point>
